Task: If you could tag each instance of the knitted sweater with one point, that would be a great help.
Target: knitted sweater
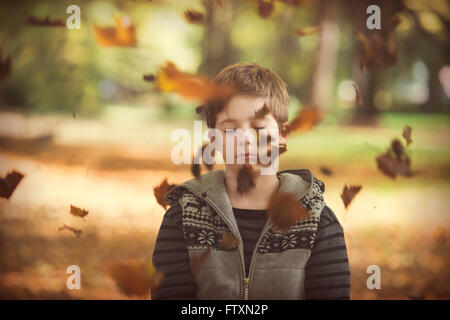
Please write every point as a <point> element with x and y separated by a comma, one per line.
<point>309,261</point>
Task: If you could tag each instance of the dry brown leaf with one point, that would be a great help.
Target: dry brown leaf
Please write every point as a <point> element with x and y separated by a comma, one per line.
<point>326,171</point>
<point>306,119</point>
<point>395,161</point>
<point>149,77</point>
<point>9,183</point>
<point>245,179</point>
<point>193,16</point>
<point>348,193</point>
<point>45,22</point>
<point>161,191</point>
<point>76,232</point>
<point>407,130</point>
<point>197,263</point>
<point>359,99</point>
<point>228,241</point>
<point>197,87</point>
<point>285,211</point>
<point>379,47</point>
<point>78,212</point>
<point>265,8</point>
<point>308,31</point>
<point>134,278</point>
<point>261,113</point>
<point>121,35</point>
<point>5,67</point>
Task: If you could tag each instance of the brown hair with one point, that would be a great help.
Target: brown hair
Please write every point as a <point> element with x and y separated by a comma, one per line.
<point>251,79</point>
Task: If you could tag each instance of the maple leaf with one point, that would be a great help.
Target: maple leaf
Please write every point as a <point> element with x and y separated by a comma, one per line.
<point>193,16</point>
<point>285,211</point>
<point>9,183</point>
<point>161,191</point>
<point>308,31</point>
<point>78,212</point>
<point>77,232</point>
<point>197,263</point>
<point>197,87</point>
<point>348,193</point>
<point>134,278</point>
<point>228,241</point>
<point>306,119</point>
<point>407,130</point>
<point>123,34</point>
<point>44,22</point>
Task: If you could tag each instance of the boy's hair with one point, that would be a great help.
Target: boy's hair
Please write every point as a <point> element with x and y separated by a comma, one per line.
<point>250,79</point>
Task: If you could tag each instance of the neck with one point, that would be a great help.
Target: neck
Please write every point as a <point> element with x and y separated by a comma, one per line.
<point>257,197</point>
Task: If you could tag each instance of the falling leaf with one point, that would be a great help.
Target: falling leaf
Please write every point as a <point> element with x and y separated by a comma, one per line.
<point>161,191</point>
<point>45,22</point>
<point>306,119</point>
<point>228,241</point>
<point>149,77</point>
<point>197,87</point>
<point>245,179</point>
<point>134,278</point>
<point>407,134</point>
<point>379,47</point>
<point>193,16</point>
<point>285,210</point>
<point>348,193</point>
<point>359,99</point>
<point>123,34</point>
<point>261,113</point>
<point>9,183</point>
<point>5,67</point>
<point>78,212</point>
<point>326,171</point>
<point>308,30</point>
<point>197,263</point>
<point>265,8</point>
<point>77,232</point>
<point>395,161</point>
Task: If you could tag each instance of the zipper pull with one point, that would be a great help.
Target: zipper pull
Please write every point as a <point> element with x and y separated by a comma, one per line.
<point>246,281</point>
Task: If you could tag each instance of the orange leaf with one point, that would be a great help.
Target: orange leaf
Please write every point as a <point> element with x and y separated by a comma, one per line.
<point>134,278</point>
<point>228,241</point>
<point>161,191</point>
<point>197,87</point>
<point>285,210</point>
<point>77,232</point>
<point>306,119</point>
<point>78,212</point>
<point>245,179</point>
<point>407,134</point>
<point>308,31</point>
<point>123,34</point>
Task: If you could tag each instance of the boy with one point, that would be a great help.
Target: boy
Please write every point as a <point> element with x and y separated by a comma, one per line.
<point>306,261</point>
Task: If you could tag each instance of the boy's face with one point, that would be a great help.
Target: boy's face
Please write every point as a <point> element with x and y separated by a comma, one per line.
<point>241,124</point>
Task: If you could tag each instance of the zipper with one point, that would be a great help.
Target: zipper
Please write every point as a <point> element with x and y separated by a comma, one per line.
<point>227,222</point>
<point>247,279</point>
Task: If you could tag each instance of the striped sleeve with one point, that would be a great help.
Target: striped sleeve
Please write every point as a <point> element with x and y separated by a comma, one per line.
<point>327,270</point>
<point>171,257</point>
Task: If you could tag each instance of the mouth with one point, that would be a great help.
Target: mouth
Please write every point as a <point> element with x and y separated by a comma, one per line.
<point>247,155</point>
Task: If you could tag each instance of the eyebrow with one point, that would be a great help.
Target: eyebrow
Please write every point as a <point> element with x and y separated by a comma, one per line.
<point>259,114</point>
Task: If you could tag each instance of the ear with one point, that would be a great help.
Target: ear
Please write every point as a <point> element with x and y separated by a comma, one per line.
<point>284,132</point>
